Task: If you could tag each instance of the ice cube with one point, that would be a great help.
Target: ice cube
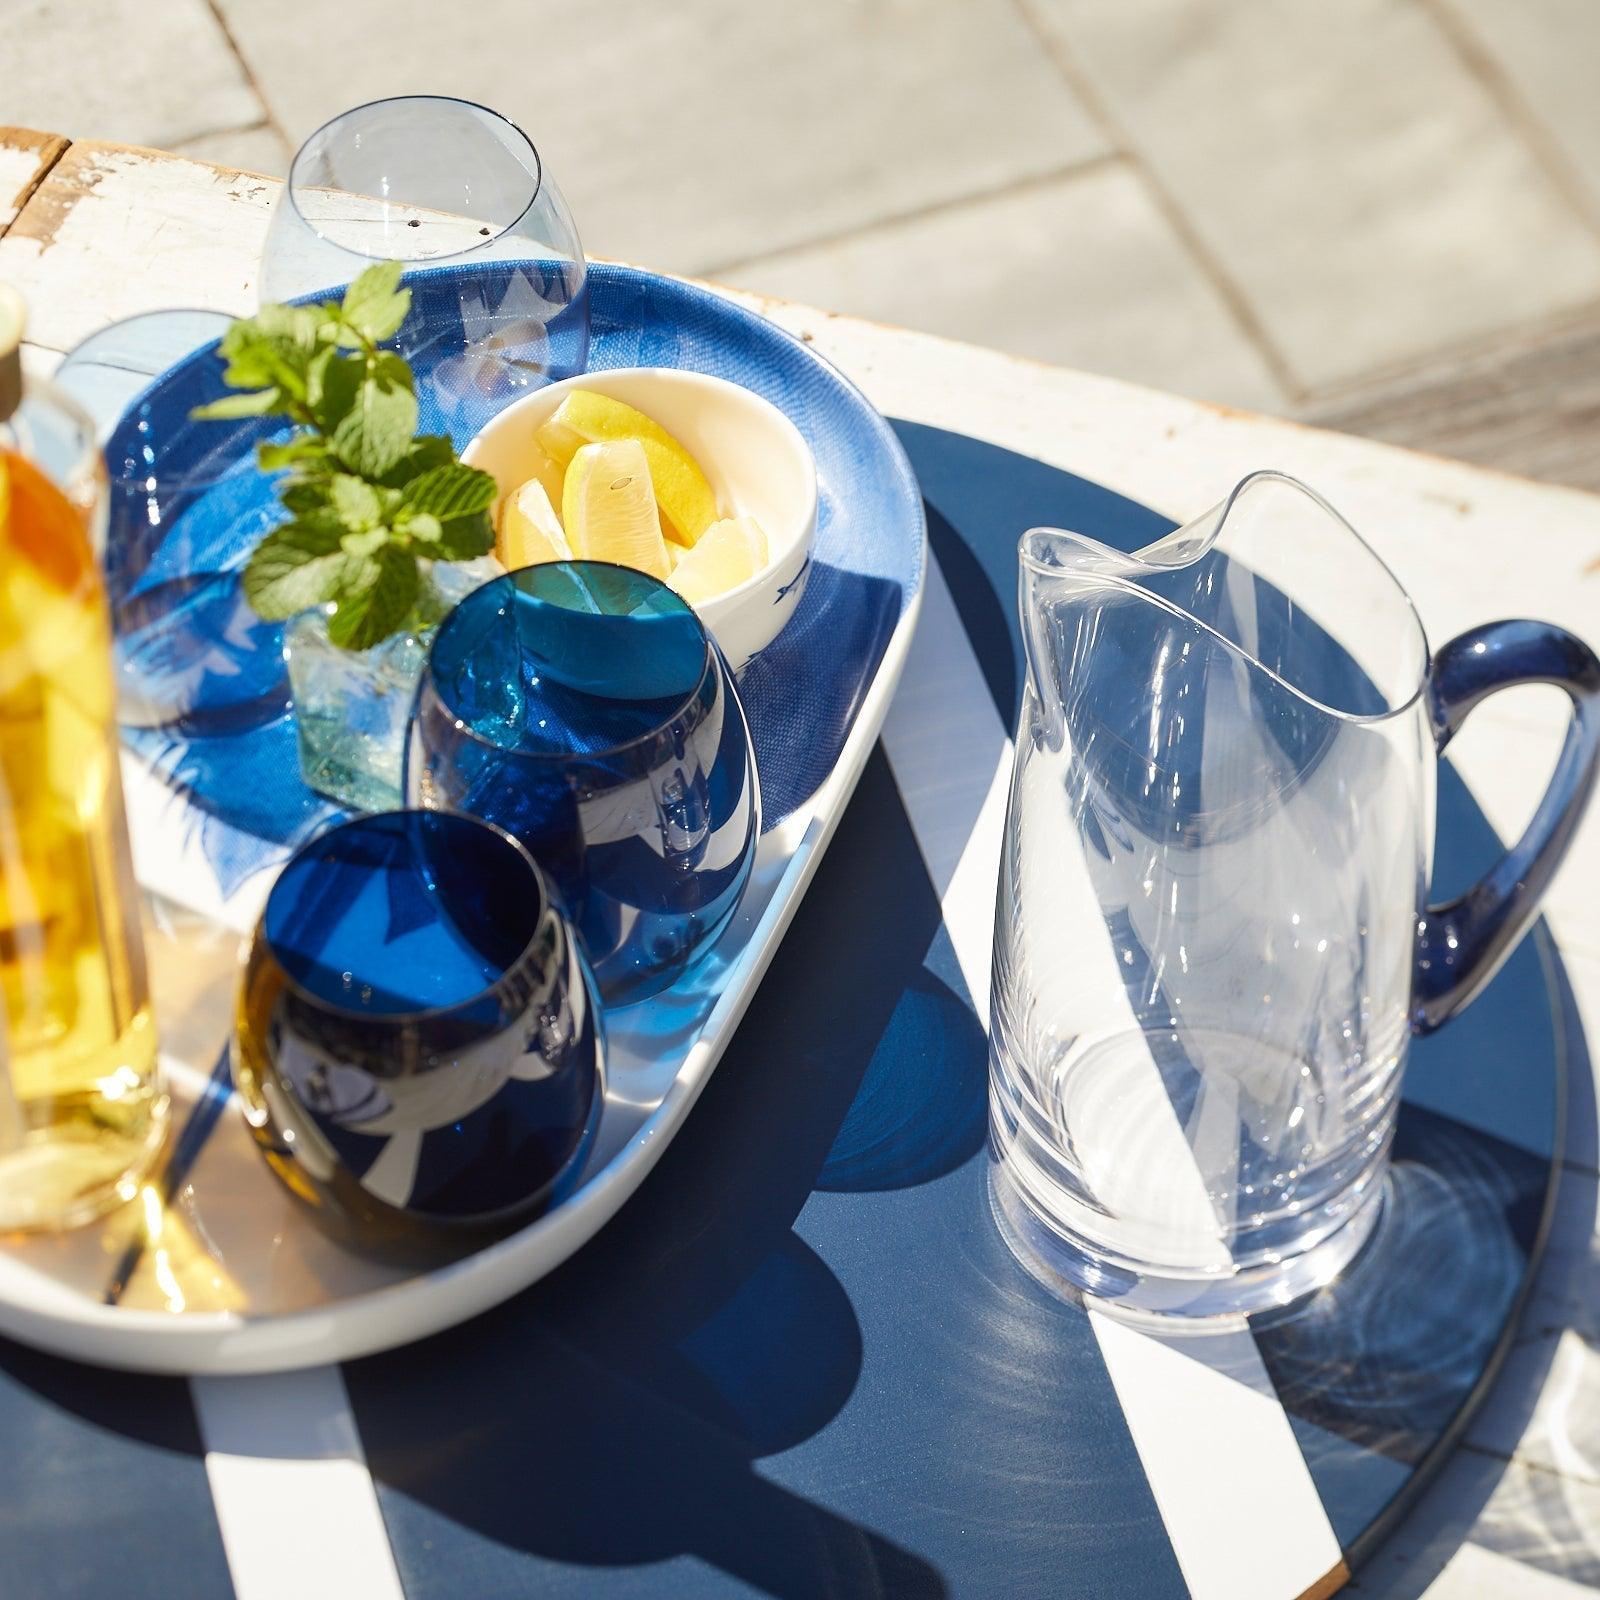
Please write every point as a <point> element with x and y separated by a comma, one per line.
<point>351,708</point>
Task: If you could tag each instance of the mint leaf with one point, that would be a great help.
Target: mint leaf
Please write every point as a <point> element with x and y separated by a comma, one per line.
<point>271,349</point>
<point>376,594</point>
<point>294,568</point>
<point>427,450</point>
<point>375,305</point>
<point>301,495</point>
<point>337,385</point>
<point>376,431</point>
<point>256,404</point>
<point>295,326</point>
<point>354,502</point>
<point>303,450</point>
<point>464,538</point>
<point>365,494</point>
<point>364,544</point>
<point>316,376</point>
<point>450,491</point>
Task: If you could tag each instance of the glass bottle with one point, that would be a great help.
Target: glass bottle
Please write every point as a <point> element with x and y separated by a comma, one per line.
<point>82,1106</point>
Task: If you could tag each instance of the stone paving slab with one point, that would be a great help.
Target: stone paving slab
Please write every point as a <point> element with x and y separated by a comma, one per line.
<point>1343,168</point>
<point>1315,197</point>
<point>1548,53</point>
<point>258,149</point>
<point>1082,271</point>
<point>149,72</point>
<point>694,135</point>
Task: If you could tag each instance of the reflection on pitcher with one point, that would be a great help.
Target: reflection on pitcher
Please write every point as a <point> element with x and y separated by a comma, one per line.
<point>1212,943</point>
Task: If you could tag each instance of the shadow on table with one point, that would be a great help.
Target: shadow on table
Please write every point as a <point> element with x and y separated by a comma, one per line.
<point>1383,1374</point>
<point>1540,1515</point>
<point>697,1332</point>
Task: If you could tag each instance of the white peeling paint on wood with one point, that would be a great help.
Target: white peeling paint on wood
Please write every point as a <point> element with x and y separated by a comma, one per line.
<point>24,155</point>
<point>115,231</point>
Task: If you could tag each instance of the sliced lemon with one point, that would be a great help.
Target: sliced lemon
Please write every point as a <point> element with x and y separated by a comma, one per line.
<point>686,499</point>
<point>609,507</point>
<point>540,464</point>
<point>530,531</point>
<point>728,553</point>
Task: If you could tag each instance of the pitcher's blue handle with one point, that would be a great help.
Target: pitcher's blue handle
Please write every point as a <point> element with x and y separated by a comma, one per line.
<point>1461,944</point>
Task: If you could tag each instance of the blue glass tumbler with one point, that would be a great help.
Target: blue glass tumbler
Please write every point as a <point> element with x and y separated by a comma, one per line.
<point>584,708</point>
<point>419,1046</point>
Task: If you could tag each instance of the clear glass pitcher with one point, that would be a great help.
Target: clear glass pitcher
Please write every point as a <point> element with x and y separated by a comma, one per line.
<point>1213,940</point>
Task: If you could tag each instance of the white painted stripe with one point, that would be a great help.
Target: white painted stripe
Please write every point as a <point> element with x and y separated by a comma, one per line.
<point>294,1499</point>
<point>952,764</point>
<point>1227,1474</point>
<point>1226,1471</point>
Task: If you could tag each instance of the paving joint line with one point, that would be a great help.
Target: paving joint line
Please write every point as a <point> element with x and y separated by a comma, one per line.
<point>268,119</point>
<point>259,125</point>
<point>1436,367</point>
<point>1079,82</point>
<point>934,208</point>
<point>1537,136</point>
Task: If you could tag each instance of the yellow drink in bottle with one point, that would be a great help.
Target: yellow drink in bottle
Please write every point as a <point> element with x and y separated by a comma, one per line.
<point>82,1110</point>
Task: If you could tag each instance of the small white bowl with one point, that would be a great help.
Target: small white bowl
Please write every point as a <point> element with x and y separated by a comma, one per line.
<point>750,451</point>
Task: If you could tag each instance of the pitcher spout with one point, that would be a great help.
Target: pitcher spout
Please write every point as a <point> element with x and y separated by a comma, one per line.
<point>1273,577</point>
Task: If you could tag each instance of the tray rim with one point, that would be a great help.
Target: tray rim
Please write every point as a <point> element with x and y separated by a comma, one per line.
<point>226,1343</point>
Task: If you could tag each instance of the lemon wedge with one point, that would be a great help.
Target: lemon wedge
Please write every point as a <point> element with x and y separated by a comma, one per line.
<point>539,463</point>
<point>530,531</point>
<point>728,553</point>
<point>683,494</point>
<point>609,507</point>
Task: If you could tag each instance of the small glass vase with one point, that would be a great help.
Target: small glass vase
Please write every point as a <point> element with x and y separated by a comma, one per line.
<point>351,707</point>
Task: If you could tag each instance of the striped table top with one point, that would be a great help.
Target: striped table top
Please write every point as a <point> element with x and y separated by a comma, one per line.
<point>767,1376</point>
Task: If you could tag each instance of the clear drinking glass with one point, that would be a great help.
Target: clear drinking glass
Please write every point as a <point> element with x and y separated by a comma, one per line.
<point>186,505</point>
<point>583,708</point>
<point>460,195</point>
<point>1212,941</point>
<point>419,1045</point>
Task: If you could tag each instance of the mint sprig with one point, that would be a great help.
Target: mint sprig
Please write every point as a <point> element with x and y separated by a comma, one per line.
<point>366,496</point>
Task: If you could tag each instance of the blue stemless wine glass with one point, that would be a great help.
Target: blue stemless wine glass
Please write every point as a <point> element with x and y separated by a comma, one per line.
<point>186,506</point>
<point>583,708</point>
<point>419,1046</point>
<point>461,197</point>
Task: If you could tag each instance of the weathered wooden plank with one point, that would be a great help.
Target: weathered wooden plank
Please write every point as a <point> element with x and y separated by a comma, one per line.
<point>1532,408</point>
<point>115,230</point>
<point>26,156</point>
